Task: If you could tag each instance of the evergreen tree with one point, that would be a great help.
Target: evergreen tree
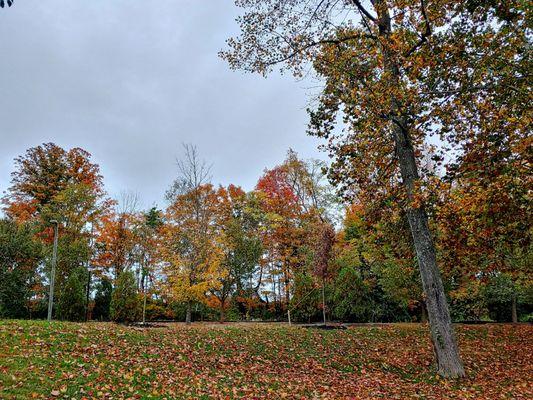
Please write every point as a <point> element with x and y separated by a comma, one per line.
<point>125,305</point>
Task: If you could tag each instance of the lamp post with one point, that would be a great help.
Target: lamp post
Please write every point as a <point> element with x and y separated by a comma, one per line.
<point>53,274</point>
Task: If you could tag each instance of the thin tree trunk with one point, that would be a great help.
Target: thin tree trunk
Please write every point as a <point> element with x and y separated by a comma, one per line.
<point>324,300</point>
<point>188,314</point>
<point>424,313</point>
<point>287,289</point>
<point>513,309</point>
<point>444,342</point>
<point>222,311</point>
<point>144,300</point>
<point>88,293</point>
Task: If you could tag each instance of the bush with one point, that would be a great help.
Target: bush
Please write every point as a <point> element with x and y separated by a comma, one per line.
<point>14,294</point>
<point>498,294</point>
<point>306,303</point>
<point>72,298</point>
<point>125,303</point>
<point>468,303</point>
<point>158,310</point>
<point>102,300</point>
<point>20,256</point>
<point>363,300</point>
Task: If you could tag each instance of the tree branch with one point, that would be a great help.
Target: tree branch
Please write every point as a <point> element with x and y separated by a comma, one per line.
<point>425,34</point>
<point>319,42</point>
<point>363,10</point>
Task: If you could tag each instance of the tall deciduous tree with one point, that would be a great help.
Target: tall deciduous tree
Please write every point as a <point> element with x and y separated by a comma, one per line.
<point>45,172</point>
<point>190,247</point>
<point>323,255</point>
<point>116,242</point>
<point>147,232</point>
<point>51,183</point>
<point>389,76</point>
<point>240,243</point>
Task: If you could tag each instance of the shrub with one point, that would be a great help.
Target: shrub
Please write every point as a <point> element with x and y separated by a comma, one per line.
<point>102,300</point>
<point>72,298</point>
<point>125,305</point>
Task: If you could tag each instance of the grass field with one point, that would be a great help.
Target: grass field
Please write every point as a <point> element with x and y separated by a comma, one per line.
<point>104,360</point>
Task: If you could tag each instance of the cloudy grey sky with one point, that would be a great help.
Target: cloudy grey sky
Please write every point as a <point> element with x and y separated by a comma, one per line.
<point>130,80</point>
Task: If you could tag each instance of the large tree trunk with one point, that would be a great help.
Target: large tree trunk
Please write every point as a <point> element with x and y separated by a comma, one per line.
<point>445,345</point>
<point>446,350</point>
<point>188,313</point>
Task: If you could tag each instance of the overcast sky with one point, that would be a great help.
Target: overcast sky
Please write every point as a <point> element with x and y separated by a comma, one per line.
<point>130,80</point>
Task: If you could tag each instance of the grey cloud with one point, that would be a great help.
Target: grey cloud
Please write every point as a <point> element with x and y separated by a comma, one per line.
<point>129,81</point>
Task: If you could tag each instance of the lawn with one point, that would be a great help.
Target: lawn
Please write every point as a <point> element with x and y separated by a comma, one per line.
<point>103,360</point>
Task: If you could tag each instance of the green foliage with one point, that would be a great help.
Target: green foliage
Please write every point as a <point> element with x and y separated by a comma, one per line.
<point>157,310</point>
<point>20,255</point>
<point>468,303</point>
<point>306,302</point>
<point>153,218</point>
<point>125,302</point>
<point>102,300</point>
<point>359,297</point>
<point>499,294</point>
<point>71,303</point>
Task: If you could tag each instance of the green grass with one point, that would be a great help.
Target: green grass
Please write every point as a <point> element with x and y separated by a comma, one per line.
<point>104,360</point>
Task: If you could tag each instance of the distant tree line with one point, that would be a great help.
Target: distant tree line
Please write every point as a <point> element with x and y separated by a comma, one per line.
<point>290,248</point>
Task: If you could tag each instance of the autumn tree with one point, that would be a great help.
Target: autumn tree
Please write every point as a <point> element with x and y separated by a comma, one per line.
<point>323,256</point>
<point>147,233</point>
<point>50,183</point>
<point>190,247</point>
<point>283,235</point>
<point>484,221</point>
<point>389,74</point>
<point>43,173</point>
<point>116,239</point>
<point>241,246</point>
<point>296,202</point>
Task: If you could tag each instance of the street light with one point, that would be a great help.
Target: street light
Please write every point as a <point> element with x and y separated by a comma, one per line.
<point>53,274</point>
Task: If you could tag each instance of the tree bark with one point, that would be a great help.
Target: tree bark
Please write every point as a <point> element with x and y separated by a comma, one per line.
<point>513,310</point>
<point>188,313</point>
<point>446,350</point>
<point>424,313</point>
<point>222,310</point>
<point>442,333</point>
<point>324,300</point>
<point>144,298</point>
